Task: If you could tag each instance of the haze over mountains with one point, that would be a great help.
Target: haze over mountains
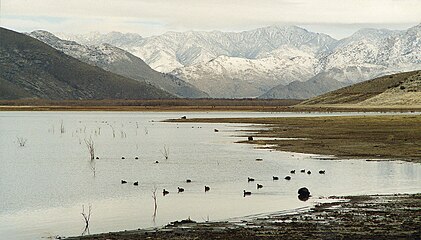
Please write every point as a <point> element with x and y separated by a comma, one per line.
<point>271,62</point>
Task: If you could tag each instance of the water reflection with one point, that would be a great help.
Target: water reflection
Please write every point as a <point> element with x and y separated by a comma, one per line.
<point>58,165</point>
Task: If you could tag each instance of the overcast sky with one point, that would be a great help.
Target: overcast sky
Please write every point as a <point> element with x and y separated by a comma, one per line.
<point>151,17</point>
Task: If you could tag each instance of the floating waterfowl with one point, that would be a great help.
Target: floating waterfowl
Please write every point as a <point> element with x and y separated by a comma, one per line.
<point>165,192</point>
<point>259,186</point>
<point>292,171</point>
<point>288,178</point>
<point>188,181</point>
<point>123,181</point>
<point>245,193</point>
<point>322,171</point>
<point>136,183</point>
<point>207,188</point>
<point>249,179</point>
<point>275,178</point>
<point>180,189</point>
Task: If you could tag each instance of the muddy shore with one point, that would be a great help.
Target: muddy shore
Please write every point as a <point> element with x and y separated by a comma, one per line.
<point>358,217</point>
<point>387,137</point>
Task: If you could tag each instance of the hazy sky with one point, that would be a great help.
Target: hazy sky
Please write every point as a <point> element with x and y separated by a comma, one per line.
<point>150,17</point>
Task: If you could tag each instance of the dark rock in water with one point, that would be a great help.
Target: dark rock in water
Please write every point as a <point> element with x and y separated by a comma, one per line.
<point>250,138</point>
<point>304,191</point>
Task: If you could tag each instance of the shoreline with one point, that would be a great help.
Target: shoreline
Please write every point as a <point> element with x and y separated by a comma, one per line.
<point>388,216</point>
<point>46,108</point>
<point>382,137</point>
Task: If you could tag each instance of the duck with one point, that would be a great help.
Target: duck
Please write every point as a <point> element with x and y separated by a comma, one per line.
<point>136,157</point>
<point>165,192</point>
<point>207,188</point>
<point>180,189</point>
<point>322,171</point>
<point>249,179</point>
<point>309,172</point>
<point>292,171</point>
<point>188,181</point>
<point>123,181</point>
<point>303,170</point>
<point>259,186</point>
<point>275,178</point>
<point>123,158</point>
<point>288,178</point>
<point>97,157</point>
<point>136,183</point>
<point>245,193</point>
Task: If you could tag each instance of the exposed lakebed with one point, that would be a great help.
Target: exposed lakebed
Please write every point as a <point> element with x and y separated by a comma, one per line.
<point>44,184</point>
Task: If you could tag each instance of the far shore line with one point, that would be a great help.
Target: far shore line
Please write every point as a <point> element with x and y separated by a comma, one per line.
<point>211,108</point>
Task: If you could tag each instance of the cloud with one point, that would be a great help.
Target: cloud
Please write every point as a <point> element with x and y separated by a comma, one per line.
<point>156,16</point>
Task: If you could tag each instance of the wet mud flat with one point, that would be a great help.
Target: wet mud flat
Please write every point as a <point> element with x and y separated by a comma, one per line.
<point>356,217</point>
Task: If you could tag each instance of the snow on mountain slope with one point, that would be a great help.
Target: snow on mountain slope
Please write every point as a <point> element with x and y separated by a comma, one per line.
<point>120,62</point>
<point>234,77</point>
<point>177,49</point>
<point>228,64</point>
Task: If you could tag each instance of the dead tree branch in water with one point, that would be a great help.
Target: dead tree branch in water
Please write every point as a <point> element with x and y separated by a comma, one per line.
<point>91,147</point>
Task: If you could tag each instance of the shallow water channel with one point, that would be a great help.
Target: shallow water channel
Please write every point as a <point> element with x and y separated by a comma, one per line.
<point>44,184</point>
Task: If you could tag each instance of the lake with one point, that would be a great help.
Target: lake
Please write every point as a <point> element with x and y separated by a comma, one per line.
<point>45,183</point>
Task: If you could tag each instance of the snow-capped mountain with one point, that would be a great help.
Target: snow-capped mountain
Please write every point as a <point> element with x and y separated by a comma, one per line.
<point>246,64</point>
<point>118,61</point>
<point>234,77</point>
<point>180,49</point>
<point>367,54</point>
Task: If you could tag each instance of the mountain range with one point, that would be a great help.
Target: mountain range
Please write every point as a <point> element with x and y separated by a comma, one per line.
<point>120,62</point>
<point>30,68</point>
<point>270,62</point>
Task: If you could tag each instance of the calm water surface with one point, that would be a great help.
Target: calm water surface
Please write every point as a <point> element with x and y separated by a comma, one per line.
<point>44,184</point>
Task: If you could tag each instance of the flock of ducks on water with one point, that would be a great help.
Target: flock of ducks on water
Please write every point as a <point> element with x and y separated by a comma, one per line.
<point>245,193</point>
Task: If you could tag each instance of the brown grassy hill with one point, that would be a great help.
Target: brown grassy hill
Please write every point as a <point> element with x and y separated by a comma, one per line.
<point>32,69</point>
<point>381,88</point>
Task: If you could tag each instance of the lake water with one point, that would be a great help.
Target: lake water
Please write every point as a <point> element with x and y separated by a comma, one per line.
<point>44,184</point>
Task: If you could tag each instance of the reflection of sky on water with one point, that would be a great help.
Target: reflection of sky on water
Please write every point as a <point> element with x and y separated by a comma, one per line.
<point>44,184</point>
